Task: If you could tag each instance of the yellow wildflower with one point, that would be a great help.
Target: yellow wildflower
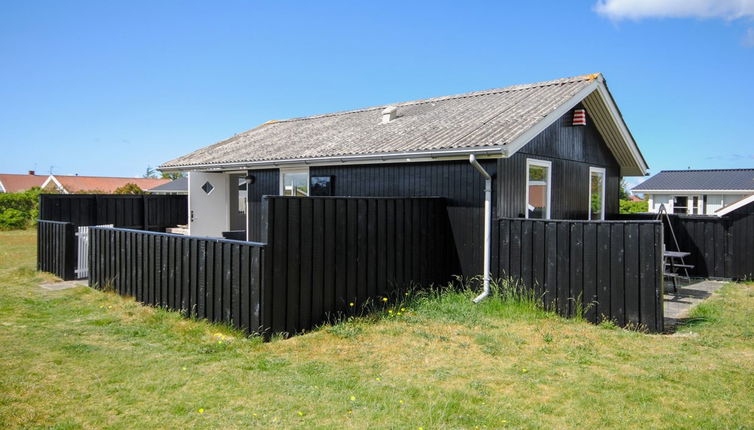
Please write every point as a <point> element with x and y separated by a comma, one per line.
<point>384,299</point>
<point>301,414</point>
<point>201,410</point>
<point>353,398</point>
<point>350,304</point>
<point>378,379</point>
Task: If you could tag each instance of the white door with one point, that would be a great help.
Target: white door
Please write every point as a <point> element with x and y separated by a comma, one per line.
<point>208,204</point>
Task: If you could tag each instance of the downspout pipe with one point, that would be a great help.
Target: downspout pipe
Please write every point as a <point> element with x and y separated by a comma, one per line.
<point>487,225</point>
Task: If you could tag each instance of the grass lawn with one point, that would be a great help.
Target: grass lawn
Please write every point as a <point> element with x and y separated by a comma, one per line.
<point>80,358</point>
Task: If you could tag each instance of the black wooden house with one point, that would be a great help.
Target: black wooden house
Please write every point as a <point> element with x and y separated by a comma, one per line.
<point>554,150</point>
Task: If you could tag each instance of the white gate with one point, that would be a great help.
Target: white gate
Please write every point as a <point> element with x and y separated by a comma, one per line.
<point>82,258</point>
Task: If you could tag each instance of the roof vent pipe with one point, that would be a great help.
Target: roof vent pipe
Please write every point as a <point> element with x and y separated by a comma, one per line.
<point>389,114</point>
<point>487,226</point>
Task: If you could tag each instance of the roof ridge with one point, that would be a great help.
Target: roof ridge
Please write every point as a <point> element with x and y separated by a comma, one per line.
<point>479,93</point>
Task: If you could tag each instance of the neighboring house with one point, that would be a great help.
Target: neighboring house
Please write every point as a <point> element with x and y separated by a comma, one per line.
<point>702,192</point>
<point>555,149</point>
<point>96,184</point>
<point>176,186</point>
<point>13,183</point>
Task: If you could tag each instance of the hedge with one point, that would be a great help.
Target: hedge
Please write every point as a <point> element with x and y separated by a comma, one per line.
<point>19,210</point>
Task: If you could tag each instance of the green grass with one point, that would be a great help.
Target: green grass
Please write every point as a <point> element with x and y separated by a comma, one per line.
<point>80,358</point>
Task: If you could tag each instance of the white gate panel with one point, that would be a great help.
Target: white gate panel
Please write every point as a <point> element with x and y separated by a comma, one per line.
<point>82,256</point>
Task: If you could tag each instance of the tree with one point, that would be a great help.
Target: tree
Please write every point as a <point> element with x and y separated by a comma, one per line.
<point>129,188</point>
<point>172,175</point>
<point>624,193</point>
<point>150,173</point>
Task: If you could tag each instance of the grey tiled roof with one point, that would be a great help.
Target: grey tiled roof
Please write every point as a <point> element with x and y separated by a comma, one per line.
<point>715,179</point>
<point>179,185</point>
<point>473,120</point>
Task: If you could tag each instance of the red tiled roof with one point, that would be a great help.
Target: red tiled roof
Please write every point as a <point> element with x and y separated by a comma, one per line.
<point>14,183</point>
<point>76,184</point>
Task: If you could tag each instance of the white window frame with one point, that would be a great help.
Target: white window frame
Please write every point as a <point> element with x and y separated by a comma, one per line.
<point>287,170</point>
<point>539,163</point>
<point>601,171</point>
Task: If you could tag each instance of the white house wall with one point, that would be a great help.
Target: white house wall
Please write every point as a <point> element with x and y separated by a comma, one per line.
<point>714,201</point>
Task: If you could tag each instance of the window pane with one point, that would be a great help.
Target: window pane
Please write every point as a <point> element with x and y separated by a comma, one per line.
<point>242,195</point>
<point>537,183</point>
<point>680,204</point>
<point>295,184</point>
<point>596,206</point>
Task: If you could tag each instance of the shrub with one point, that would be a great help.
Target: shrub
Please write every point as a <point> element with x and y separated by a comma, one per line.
<point>19,210</point>
<point>631,207</point>
<point>13,219</point>
<point>129,188</point>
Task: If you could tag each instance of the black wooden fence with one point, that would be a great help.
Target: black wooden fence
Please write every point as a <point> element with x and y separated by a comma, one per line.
<point>322,254</point>
<point>608,270</point>
<point>144,212</point>
<point>215,279</point>
<point>741,234</point>
<point>56,248</point>
<point>327,252</point>
<point>720,247</point>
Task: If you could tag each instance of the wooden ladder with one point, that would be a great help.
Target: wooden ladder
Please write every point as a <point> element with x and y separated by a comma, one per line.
<point>672,262</point>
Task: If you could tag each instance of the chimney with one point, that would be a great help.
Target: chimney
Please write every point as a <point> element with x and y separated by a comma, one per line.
<point>31,172</point>
<point>389,114</point>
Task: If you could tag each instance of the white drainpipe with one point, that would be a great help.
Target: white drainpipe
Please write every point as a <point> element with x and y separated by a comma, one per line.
<point>487,222</point>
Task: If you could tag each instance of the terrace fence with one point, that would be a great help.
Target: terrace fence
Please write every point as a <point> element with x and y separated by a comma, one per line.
<point>56,248</point>
<point>601,269</point>
<point>142,212</point>
<point>67,257</point>
<point>720,247</point>
<point>215,279</point>
<point>321,254</point>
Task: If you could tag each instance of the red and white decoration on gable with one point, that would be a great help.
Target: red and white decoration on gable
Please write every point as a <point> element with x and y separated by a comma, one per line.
<point>579,117</point>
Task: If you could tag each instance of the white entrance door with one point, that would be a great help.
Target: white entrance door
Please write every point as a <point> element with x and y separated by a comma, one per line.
<point>208,204</point>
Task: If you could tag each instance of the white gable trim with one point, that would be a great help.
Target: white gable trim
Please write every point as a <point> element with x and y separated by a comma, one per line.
<point>605,100</point>
<point>733,206</point>
<point>2,187</point>
<point>525,137</point>
<point>58,185</point>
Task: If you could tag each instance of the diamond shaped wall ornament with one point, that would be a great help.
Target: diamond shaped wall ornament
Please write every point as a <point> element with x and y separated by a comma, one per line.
<point>207,187</point>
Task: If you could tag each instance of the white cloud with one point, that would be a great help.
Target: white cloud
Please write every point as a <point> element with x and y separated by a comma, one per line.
<point>639,9</point>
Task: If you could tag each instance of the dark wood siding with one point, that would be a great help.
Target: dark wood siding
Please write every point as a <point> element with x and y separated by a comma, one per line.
<point>266,183</point>
<point>456,181</point>
<point>572,151</point>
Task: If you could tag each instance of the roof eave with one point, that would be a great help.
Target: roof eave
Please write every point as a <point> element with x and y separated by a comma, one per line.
<point>413,156</point>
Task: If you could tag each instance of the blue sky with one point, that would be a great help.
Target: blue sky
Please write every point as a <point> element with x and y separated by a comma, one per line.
<point>106,88</point>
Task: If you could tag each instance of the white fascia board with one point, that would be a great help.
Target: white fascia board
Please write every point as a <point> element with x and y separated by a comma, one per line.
<point>622,127</point>
<point>692,192</point>
<point>2,187</point>
<point>597,85</point>
<point>525,137</point>
<point>733,206</point>
<point>392,157</point>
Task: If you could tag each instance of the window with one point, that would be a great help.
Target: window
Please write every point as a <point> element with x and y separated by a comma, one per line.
<point>294,182</point>
<point>695,208</point>
<point>538,187</point>
<point>680,204</point>
<point>596,193</point>
<point>242,194</point>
